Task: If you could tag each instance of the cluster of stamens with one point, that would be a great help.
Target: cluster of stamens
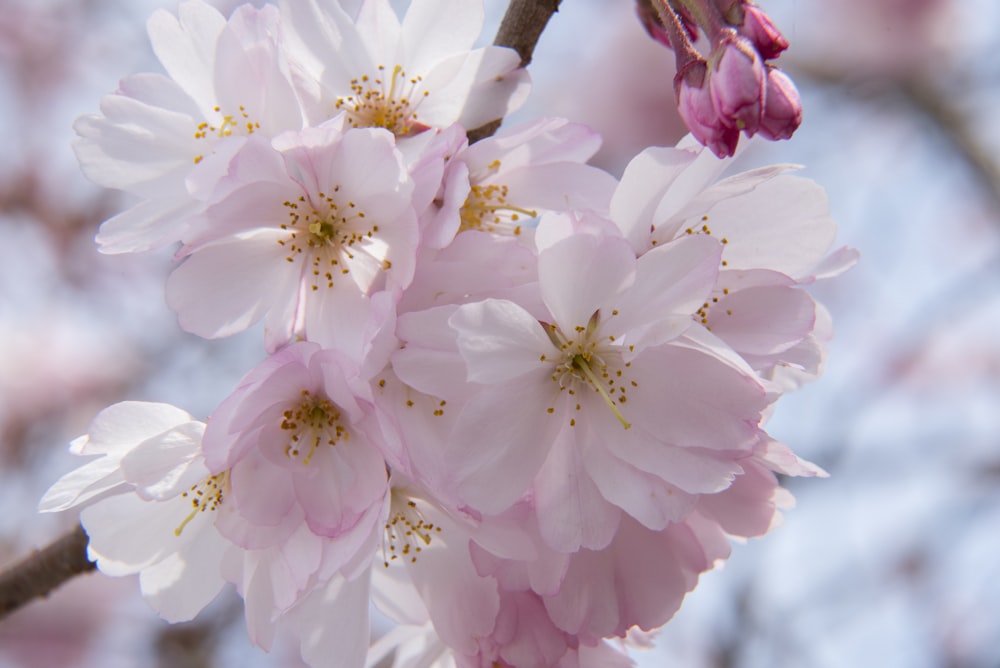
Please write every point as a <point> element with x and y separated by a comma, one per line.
<point>312,422</point>
<point>370,105</point>
<point>239,122</point>
<point>588,359</point>
<point>701,315</point>
<point>205,495</point>
<point>486,209</point>
<point>326,234</point>
<point>406,531</point>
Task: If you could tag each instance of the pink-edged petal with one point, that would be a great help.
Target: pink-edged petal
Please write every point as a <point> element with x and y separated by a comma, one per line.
<point>763,321</point>
<point>748,508</point>
<point>692,470</point>
<point>185,44</point>
<point>581,274</point>
<point>500,341</point>
<point>651,175</point>
<point>146,226</point>
<point>559,187</point>
<point>500,441</point>
<point>182,584</point>
<point>538,142</point>
<point>784,224</point>
<point>571,511</point>
<point>461,604</point>
<point>252,474</point>
<point>434,29</point>
<point>248,274</point>
<point>646,497</point>
<point>164,465</point>
<point>333,622</point>
<point>691,399</point>
<point>671,280</point>
<point>82,484</point>
<point>473,88</point>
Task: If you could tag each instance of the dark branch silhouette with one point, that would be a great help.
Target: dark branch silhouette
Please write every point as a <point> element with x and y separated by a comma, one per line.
<point>520,30</point>
<point>44,570</point>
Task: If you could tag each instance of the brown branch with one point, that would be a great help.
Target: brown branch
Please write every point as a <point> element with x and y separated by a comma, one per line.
<point>520,30</point>
<point>44,570</point>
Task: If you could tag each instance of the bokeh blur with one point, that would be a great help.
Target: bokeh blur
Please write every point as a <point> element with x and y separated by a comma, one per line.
<point>890,562</point>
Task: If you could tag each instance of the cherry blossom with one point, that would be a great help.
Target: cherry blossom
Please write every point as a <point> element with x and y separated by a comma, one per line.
<point>516,406</point>
<point>158,133</point>
<point>307,234</point>
<point>594,389</point>
<point>149,504</point>
<point>404,76</point>
<point>776,233</point>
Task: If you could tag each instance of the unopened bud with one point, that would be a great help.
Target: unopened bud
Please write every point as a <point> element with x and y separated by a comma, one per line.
<point>760,30</point>
<point>697,109</point>
<point>783,108</point>
<point>650,20</point>
<point>738,83</point>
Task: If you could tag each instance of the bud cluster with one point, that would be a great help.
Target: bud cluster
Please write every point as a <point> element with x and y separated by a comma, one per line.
<point>733,88</point>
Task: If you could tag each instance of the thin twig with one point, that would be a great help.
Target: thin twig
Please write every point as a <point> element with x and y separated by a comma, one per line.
<point>520,30</point>
<point>44,570</point>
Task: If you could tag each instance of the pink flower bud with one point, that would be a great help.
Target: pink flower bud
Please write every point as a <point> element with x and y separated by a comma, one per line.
<point>760,30</point>
<point>783,110</point>
<point>650,20</point>
<point>696,107</point>
<point>738,83</point>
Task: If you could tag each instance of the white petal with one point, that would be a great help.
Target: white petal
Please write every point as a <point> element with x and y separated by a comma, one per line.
<point>582,274</point>
<point>500,341</point>
<point>228,285</point>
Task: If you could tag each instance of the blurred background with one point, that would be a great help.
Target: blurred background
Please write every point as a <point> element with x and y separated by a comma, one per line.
<point>890,562</point>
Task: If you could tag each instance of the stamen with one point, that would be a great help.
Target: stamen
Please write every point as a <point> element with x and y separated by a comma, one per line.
<point>205,495</point>
<point>581,364</point>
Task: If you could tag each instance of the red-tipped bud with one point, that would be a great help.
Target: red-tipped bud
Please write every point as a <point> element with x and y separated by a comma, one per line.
<point>697,109</point>
<point>760,30</point>
<point>738,83</point>
<point>783,110</point>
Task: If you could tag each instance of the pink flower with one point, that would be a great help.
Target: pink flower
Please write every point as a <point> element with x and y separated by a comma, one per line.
<point>776,234</point>
<point>405,76</point>
<point>499,184</point>
<point>157,131</point>
<point>304,237</point>
<point>300,427</point>
<point>586,407</point>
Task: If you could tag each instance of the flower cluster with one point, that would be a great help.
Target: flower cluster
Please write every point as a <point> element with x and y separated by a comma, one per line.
<point>734,89</point>
<point>514,402</point>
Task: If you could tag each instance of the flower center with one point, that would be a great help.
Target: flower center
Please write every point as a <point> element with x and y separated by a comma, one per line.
<point>486,209</point>
<point>205,495</point>
<point>406,530</point>
<point>327,232</point>
<point>227,124</point>
<point>313,422</point>
<point>589,359</point>
<point>381,102</point>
